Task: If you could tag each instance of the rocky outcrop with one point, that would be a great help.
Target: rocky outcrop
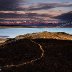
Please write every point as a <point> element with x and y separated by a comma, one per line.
<point>2,40</point>
<point>46,35</point>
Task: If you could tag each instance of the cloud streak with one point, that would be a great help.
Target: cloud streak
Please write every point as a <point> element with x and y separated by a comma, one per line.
<point>43,6</point>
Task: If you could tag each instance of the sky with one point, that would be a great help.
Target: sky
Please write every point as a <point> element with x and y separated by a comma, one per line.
<point>45,10</point>
<point>51,1</point>
<point>28,4</point>
<point>13,32</point>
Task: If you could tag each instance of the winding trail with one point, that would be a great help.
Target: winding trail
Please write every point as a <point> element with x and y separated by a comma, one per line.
<point>28,62</point>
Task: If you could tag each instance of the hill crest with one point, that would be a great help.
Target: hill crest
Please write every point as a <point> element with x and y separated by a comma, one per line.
<point>48,35</point>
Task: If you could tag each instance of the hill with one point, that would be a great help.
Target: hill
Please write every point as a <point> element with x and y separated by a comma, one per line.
<point>37,53</point>
<point>47,35</point>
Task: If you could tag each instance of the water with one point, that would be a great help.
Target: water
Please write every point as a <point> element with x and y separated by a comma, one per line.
<point>13,32</point>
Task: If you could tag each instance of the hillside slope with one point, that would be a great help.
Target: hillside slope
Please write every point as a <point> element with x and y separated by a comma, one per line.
<point>37,52</point>
<point>23,55</point>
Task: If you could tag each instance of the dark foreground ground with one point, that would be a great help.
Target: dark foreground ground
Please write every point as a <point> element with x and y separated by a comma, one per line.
<point>57,55</point>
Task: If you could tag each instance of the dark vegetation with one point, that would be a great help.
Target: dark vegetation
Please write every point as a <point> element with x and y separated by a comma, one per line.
<point>14,52</point>
<point>57,57</point>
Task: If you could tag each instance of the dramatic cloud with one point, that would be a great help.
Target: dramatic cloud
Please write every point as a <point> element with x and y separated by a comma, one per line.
<point>20,15</point>
<point>43,6</point>
<point>10,4</point>
<point>65,16</point>
<point>20,5</point>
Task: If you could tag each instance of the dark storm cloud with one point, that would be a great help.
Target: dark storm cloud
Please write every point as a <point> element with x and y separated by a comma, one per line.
<point>9,4</point>
<point>19,5</point>
<point>65,16</point>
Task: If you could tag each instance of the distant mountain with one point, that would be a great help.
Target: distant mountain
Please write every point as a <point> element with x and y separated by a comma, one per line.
<point>4,36</point>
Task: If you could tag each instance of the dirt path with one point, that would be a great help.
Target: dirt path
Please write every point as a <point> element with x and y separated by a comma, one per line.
<point>28,62</point>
